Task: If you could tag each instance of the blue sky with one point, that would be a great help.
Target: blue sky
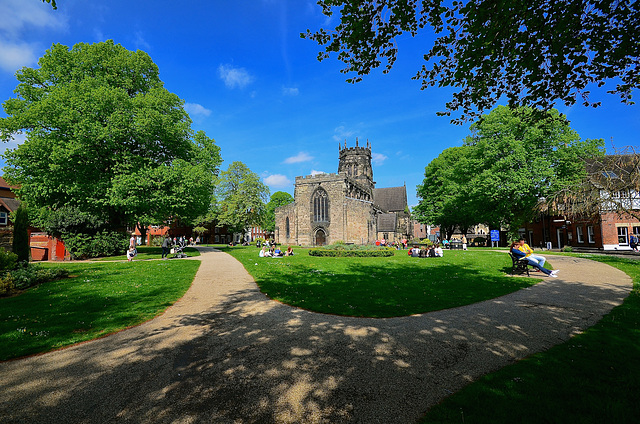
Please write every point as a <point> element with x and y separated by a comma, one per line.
<point>251,83</point>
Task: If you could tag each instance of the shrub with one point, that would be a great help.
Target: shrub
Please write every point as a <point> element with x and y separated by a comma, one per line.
<point>8,260</point>
<point>104,243</point>
<point>6,286</point>
<point>28,276</point>
<point>31,275</point>
<point>352,251</point>
<point>20,243</point>
<point>426,241</point>
<point>567,249</point>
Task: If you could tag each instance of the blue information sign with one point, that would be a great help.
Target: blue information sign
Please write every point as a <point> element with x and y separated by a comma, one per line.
<point>495,235</point>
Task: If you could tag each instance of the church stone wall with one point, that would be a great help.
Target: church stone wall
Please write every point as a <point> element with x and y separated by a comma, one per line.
<point>359,222</point>
<point>281,214</point>
<point>352,214</point>
<point>350,220</point>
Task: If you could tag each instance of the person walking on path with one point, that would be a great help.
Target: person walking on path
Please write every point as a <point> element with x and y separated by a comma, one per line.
<point>166,247</point>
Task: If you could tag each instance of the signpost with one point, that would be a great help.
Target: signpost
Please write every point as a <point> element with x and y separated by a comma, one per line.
<point>495,237</point>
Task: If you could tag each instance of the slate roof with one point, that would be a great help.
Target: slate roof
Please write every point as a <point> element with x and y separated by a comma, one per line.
<point>387,222</point>
<point>390,199</point>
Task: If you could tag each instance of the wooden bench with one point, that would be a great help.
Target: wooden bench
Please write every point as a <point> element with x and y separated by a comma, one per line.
<point>519,265</point>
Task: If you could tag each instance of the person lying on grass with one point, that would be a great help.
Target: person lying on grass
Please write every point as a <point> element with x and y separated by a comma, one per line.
<point>518,253</point>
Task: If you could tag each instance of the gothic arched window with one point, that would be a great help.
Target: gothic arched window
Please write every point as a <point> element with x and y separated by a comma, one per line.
<point>287,228</point>
<point>320,206</point>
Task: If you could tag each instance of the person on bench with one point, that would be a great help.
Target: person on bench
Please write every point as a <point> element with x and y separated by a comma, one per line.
<point>520,254</point>
<point>529,251</point>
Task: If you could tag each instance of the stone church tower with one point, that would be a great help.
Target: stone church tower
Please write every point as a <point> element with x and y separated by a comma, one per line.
<point>334,207</point>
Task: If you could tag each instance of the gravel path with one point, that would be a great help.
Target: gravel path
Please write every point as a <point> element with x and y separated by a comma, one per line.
<point>225,353</point>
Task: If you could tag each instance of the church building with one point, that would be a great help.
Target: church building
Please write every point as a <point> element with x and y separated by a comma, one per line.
<point>344,207</point>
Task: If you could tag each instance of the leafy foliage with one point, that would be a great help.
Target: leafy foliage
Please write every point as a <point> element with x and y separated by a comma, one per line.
<point>31,275</point>
<point>279,198</point>
<point>21,234</point>
<point>534,53</point>
<point>82,245</point>
<point>509,163</point>
<point>105,138</point>
<point>242,198</point>
<point>353,253</point>
<point>8,260</point>
<point>52,2</point>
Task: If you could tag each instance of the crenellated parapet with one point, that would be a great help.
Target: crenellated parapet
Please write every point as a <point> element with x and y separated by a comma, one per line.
<point>355,162</point>
<point>316,177</point>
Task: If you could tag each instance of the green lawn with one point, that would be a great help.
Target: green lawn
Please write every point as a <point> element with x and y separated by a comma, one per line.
<point>592,378</point>
<point>382,287</point>
<point>100,298</point>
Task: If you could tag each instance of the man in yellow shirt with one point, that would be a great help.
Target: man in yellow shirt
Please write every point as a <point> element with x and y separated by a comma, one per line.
<point>528,251</point>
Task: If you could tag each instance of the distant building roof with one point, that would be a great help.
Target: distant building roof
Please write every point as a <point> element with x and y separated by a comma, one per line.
<point>391,199</point>
<point>9,204</point>
<point>387,222</point>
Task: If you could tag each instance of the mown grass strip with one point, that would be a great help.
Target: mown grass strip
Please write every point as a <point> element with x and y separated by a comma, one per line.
<point>100,298</point>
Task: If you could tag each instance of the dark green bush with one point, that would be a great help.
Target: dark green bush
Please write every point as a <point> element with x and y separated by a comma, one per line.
<point>20,243</point>
<point>351,253</point>
<point>8,260</point>
<point>103,243</point>
<point>30,275</point>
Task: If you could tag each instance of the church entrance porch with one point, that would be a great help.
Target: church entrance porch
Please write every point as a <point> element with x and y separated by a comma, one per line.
<point>321,238</point>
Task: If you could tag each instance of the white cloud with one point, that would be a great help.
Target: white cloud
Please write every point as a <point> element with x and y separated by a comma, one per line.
<point>12,144</point>
<point>341,133</point>
<point>378,158</point>
<point>15,56</point>
<point>290,91</point>
<point>277,180</point>
<point>140,42</point>
<point>314,172</point>
<point>300,157</point>
<point>196,109</point>
<point>234,77</point>
<point>19,14</point>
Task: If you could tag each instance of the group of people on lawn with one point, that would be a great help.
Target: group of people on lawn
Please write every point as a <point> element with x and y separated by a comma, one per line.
<point>521,250</point>
<point>274,252</point>
<point>433,251</point>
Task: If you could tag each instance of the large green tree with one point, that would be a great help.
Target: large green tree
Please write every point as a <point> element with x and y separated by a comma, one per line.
<point>279,198</point>
<point>506,167</point>
<point>241,198</point>
<point>444,193</point>
<point>533,53</point>
<point>105,138</point>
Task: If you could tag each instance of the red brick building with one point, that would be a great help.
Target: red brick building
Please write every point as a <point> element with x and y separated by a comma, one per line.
<point>610,231</point>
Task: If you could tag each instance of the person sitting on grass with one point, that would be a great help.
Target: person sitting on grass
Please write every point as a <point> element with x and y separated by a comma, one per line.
<point>289,251</point>
<point>518,253</point>
<point>131,253</point>
<point>439,252</point>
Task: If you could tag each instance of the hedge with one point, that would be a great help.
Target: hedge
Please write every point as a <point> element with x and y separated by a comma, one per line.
<point>351,253</point>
